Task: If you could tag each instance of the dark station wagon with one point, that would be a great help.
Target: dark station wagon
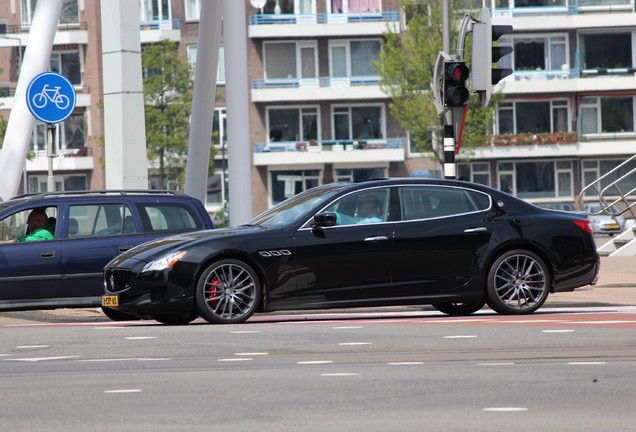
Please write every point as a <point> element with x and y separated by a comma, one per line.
<point>87,229</point>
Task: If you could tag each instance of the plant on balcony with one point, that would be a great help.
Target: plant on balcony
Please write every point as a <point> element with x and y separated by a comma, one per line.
<point>547,138</point>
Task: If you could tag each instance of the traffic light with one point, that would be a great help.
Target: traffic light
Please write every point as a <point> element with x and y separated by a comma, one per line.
<point>455,91</point>
<point>484,76</point>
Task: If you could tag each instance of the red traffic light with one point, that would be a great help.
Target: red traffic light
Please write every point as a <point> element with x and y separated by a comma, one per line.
<point>455,90</point>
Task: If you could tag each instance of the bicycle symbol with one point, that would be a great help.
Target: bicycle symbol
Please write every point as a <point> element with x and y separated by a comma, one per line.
<point>40,100</point>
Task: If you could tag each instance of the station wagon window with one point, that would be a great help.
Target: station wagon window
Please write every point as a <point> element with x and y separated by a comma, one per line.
<point>14,226</point>
<point>168,217</point>
<point>434,202</point>
<point>100,220</point>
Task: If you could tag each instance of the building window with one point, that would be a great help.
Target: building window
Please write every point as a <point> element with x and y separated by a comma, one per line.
<point>355,6</point>
<point>72,132</point>
<point>595,169</point>
<point>358,122</point>
<point>292,124</point>
<point>475,172</point>
<point>67,63</point>
<point>71,182</point>
<point>358,174</point>
<point>532,117</point>
<point>536,179</point>
<point>291,60</point>
<point>532,54</point>
<point>607,115</point>
<point>192,9</point>
<point>155,10</point>
<point>354,58</point>
<point>68,15</point>
<point>286,184</point>
<point>220,67</point>
<point>606,51</point>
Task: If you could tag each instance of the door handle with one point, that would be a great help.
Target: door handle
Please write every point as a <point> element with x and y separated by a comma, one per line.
<point>376,238</point>
<point>47,254</point>
<point>476,229</point>
<point>124,248</point>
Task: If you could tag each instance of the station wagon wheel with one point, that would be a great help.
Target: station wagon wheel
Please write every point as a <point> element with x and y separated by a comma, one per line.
<point>227,292</point>
<point>458,309</point>
<point>518,283</point>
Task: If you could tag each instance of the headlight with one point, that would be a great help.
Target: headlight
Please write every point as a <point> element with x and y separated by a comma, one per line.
<point>164,262</point>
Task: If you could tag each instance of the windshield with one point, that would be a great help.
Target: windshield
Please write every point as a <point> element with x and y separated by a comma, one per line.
<point>297,207</point>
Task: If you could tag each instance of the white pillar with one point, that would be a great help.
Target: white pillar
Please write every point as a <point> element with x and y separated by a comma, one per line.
<point>124,125</point>
<point>20,127</point>
<point>203,100</point>
<point>236,94</point>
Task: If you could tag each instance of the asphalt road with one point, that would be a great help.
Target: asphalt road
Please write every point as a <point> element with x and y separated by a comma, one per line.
<point>557,370</point>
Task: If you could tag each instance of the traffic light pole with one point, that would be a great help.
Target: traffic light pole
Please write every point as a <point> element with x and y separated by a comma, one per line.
<point>449,130</point>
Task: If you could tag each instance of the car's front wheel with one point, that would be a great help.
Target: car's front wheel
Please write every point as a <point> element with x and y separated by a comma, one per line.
<point>518,283</point>
<point>227,292</point>
<point>459,309</point>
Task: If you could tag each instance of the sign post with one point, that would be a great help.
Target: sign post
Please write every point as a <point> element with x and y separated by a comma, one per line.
<point>51,99</point>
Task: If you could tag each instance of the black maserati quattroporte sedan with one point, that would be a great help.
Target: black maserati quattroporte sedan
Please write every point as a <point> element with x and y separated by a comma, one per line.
<point>448,243</point>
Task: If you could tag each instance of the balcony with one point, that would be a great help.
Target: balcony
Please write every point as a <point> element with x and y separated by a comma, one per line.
<point>323,88</point>
<point>323,24</point>
<point>156,30</point>
<point>67,160</point>
<point>334,151</point>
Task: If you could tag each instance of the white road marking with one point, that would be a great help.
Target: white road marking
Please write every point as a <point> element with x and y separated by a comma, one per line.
<point>124,359</point>
<point>338,374</point>
<point>315,362</point>
<point>252,354</point>
<point>236,359</point>
<point>4,355</point>
<point>123,391</point>
<point>347,327</point>
<point>557,331</point>
<point>405,363</point>
<point>506,409</point>
<point>460,337</point>
<point>37,359</point>
<point>495,364</point>
<point>140,337</point>
<point>32,346</point>
<point>355,343</point>
<point>245,331</point>
<point>586,363</point>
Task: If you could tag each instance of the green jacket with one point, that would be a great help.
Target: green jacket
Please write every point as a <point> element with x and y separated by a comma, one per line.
<point>39,234</point>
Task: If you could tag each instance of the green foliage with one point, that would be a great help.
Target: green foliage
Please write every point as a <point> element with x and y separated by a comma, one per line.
<point>406,68</point>
<point>3,130</point>
<point>168,102</point>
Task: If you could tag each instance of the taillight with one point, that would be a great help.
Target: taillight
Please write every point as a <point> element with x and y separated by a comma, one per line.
<point>584,224</point>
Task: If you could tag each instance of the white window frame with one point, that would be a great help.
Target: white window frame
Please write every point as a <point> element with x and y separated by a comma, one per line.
<point>298,46</point>
<point>192,13</point>
<point>346,44</point>
<point>594,102</point>
<point>349,106</point>
<point>300,118</point>
<point>192,52</point>
<point>511,105</point>
<point>557,170</point>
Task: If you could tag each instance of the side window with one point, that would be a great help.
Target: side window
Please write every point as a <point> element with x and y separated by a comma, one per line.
<point>432,202</point>
<point>168,217</point>
<point>368,206</point>
<point>100,220</point>
<point>34,224</point>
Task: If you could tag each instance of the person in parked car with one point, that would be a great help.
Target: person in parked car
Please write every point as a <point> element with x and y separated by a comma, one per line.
<point>36,227</point>
<point>368,211</point>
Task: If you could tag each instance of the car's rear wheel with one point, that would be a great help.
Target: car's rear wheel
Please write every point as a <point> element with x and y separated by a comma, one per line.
<point>116,315</point>
<point>458,309</point>
<point>518,283</point>
<point>176,319</point>
<point>227,292</point>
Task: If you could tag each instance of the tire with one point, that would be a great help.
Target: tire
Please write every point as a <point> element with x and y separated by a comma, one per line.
<point>227,292</point>
<point>175,319</point>
<point>518,283</point>
<point>459,309</point>
<point>116,315</point>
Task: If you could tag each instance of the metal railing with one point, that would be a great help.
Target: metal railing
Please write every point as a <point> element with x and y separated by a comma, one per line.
<point>328,145</point>
<point>264,83</point>
<point>612,194</point>
<point>323,18</point>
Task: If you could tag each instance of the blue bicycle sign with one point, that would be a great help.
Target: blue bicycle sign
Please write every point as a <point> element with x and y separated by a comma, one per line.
<point>50,97</point>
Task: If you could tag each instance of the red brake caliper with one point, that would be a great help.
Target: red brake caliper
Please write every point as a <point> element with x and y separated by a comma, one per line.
<point>214,291</point>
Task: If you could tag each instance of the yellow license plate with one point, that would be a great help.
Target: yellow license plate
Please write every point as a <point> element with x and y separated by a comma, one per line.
<point>612,227</point>
<point>110,300</point>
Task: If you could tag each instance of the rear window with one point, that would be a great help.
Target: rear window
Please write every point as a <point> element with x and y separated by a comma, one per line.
<point>100,220</point>
<point>432,202</point>
<point>168,217</point>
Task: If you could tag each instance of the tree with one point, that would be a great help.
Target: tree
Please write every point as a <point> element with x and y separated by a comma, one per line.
<point>406,68</point>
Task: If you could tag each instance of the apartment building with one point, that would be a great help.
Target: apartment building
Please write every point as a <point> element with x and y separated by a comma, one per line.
<point>317,113</point>
<point>568,117</point>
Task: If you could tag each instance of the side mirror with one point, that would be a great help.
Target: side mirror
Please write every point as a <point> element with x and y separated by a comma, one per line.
<point>324,220</point>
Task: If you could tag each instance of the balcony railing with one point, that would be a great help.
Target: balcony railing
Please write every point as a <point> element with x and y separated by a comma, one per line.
<point>572,7</point>
<point>173,24</point>
<point>323,18</point>
<point>532,139</point>
<point>328,145</point>
<point>263,83</point>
